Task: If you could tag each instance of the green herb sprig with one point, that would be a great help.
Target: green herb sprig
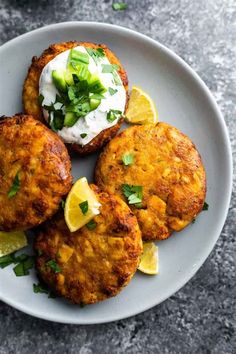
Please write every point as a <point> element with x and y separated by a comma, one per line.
<point>134,194</point>
<point>24,263</point>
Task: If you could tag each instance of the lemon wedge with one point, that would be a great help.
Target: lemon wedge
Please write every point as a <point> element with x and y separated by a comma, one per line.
<point>149,259</point>
<point>141,108</point>
<point>81,205</point>
<point>11,242</point>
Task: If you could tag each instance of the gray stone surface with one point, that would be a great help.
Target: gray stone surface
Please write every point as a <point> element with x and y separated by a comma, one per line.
<point>201,317</point>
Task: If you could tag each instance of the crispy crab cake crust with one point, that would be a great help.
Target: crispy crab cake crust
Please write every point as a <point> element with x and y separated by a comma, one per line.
<point>95,264</point>
<point>39,156</point>
<point>31,91</point>
<point>168,167</point>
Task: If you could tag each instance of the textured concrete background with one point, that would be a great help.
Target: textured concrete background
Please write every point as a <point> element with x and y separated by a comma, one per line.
<point>200,318</point>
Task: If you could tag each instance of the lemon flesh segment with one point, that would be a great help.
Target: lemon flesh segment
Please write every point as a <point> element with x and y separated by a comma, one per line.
<point>141,108</point>
<point>11,242</point>
<point>79,193</point>
<point>149,259</point>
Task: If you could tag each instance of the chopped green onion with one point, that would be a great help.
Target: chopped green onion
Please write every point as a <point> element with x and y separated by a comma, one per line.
<point>77,56</point>
<point>128,159</point>
<point>83,135</point>
<point>54,266</point>
<point>112,91</point>
<point>113,115</point>
<point>91,225</point>
<point>119,6</point>
<point>134,194</point>
<point>14,187</point>
<point>84,207</point>
<point>63,203</point>
<point>205,206</point>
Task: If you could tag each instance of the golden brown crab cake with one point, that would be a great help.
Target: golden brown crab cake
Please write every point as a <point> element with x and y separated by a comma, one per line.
<point>31,90</point>
<point>35,172</point>
<point>167,166</point>
<point>90,265</point>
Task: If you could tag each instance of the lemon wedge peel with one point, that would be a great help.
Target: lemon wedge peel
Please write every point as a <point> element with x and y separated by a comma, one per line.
<point>141,108</point>
<point>149,263</point>
<point>79,193</point>
<point>11,242</point>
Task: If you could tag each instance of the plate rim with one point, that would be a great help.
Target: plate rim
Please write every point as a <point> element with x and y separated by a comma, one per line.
<point>204,255</point>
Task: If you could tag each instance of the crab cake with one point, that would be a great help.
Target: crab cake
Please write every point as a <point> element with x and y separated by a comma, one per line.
<point>34,172</point>
<point>164,179</point>
<point>90,264</point>
<point>83,91</point>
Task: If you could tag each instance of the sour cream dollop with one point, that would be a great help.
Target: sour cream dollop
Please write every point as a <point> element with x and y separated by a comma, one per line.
<point>95,121</point>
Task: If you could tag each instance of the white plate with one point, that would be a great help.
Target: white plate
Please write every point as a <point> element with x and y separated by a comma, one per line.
<point>183,100</point>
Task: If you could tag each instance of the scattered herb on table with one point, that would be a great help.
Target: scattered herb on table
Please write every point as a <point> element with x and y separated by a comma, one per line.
<point>119,6</point>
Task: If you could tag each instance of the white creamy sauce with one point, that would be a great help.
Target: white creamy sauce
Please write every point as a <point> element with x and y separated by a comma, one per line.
<point>94,122</point>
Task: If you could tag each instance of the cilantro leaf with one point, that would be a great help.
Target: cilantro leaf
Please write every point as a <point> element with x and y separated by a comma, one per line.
<point>113,114</point>
<point>112,91</point>
<point>91,225</point>
<point>84,207</point>
<point>134,194</point>
<point>205,206</point>
<point>14,187</point>
<point>128,159</point>
<point>54,266</point>
<point>96,54</point>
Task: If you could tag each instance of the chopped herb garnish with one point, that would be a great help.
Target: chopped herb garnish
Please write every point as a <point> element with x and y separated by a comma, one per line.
<point>24,263</point>
<point>63,203</point>
<point>19,270</point>
<point>91,225</point>
<point>193,221</point>
<point>134,194</point>
<point>119,6</point>
<point>40,288</point>
<point>7,260</point>
<point>83,135</point>
<point>40,99</point>
<point>113,115</point>
<point>205,206</point>
<point>14,187</point>
<point>112,91</point>
<point>96,54</point>
<point>54,266</point>
<point>84,206</point>
<point>128,159</point>
<point>109,68</point>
